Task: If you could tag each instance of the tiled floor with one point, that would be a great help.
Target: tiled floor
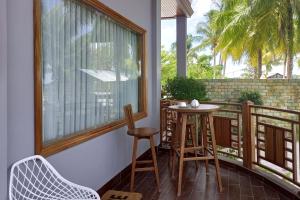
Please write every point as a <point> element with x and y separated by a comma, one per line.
<point>201,185</point>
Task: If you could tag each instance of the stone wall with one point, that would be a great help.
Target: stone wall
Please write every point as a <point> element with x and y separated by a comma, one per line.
<point>275,93</point>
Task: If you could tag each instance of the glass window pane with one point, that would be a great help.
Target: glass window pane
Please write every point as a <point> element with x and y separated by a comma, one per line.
<point>91,68</point>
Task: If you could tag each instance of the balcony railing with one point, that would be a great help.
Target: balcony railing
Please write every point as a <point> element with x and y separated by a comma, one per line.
<point>260,137</point>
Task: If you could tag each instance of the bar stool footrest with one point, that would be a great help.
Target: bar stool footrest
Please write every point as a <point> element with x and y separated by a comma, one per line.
<point>144,161</point>
<point>144,169</point>
<point>199,158</point>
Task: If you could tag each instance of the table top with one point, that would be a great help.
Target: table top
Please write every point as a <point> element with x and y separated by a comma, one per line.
<point>203,108</point>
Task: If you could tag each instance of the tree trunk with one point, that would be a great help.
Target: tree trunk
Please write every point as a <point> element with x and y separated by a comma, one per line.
<point>284,66</point>
<point>220,59</point>
<point>290,37</point>
<point>215,58</point>
<point>259,64</point>
<point>224,68</point>
<point>215,62</point>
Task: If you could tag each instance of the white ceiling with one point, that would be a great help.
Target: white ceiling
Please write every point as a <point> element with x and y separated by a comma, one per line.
<point>173,8</point>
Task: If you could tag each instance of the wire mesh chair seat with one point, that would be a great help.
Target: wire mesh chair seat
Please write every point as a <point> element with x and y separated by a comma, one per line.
<point>35,178</point>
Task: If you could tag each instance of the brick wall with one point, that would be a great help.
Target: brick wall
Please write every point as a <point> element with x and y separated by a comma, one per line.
<point>275,93</point>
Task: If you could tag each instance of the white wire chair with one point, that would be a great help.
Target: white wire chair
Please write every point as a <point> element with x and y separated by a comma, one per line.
<point>35,178</point>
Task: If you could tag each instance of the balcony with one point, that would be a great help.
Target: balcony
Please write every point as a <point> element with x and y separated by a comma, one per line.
<point>238,183</point>
<point>257,144</point>
<point>86,140</point>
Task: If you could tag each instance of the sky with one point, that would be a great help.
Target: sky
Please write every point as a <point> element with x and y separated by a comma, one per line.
<point>201,7</point>
<point>168,35</point>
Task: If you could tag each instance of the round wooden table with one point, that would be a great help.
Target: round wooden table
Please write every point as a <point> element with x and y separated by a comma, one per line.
<point>206,113</point>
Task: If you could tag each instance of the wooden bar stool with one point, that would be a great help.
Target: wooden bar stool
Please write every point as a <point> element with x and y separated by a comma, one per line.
<point>141,133</point>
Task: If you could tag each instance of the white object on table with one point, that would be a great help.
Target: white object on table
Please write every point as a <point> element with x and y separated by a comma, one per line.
<point>195,103</point>
<point>181,104</point>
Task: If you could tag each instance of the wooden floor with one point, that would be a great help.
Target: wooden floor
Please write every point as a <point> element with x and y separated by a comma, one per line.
<point>201,185</point>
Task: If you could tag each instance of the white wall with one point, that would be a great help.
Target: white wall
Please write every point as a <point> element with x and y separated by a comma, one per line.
<point>96,161</point>
<point>3,101</point>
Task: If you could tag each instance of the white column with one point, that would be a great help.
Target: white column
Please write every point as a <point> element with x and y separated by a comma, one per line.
<point>181,32</point>
<point>156,63</point>
<point>3,100</point>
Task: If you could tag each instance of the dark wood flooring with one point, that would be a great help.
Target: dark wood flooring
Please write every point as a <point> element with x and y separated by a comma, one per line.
<point>238,185</point>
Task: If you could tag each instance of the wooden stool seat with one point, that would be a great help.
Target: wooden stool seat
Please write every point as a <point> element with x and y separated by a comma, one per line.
<point>143,132</point>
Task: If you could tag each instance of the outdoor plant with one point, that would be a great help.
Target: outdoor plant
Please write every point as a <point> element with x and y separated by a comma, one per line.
<point>181,88</point>
<point>253,96</point>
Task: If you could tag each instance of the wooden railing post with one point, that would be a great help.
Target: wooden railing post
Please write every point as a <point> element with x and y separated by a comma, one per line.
<point>248,136</point>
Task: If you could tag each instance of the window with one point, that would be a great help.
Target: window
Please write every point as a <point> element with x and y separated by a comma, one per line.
<point>89,63</point>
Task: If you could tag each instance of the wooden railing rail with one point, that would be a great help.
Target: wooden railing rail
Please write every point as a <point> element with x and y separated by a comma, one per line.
<point>277,109</point>
<point>277,141</point>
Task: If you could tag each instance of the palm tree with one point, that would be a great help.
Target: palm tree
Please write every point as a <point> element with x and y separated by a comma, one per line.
<point>257,27</point>
<point>207,35</point>
<point>242,34</point>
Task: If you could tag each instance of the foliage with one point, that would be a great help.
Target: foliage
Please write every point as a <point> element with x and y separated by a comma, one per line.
<point>253,96</point>
<point>168,65</point>
<point>249,72</point>
<point>208,35</point>
<point>258,29</point>
<point>186,89</point>
<point>199,66</point>
<point>261,32</point>
<point>202,68</point>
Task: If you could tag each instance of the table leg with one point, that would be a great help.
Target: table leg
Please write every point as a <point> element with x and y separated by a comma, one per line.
<point>182,144</point>
<point>175,139</point>
<point>214,148</point>
<point>204,138</point>
<point>193,133</point>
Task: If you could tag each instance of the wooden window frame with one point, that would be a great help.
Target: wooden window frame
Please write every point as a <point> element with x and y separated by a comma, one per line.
<point>85,135</point>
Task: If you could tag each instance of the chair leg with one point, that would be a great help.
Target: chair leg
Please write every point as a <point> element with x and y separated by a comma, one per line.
<point>214,146</point>
<point>135,144</point>
<point>154,161</point>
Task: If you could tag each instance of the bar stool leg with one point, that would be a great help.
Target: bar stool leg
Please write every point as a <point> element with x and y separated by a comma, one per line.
<point>135,143</point>
<point>170,159</point>
<point>173,163</point>
<point>204,139</point>
<point>182,144</point>
<point>154,161</point>
<point>214,147</point>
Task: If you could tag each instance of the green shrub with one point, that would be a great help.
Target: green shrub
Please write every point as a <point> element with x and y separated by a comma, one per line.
<point>181,88</point>
<point>253,96</point>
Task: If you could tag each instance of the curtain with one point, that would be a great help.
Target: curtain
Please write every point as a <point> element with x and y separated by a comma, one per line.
<point>90,68</point>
